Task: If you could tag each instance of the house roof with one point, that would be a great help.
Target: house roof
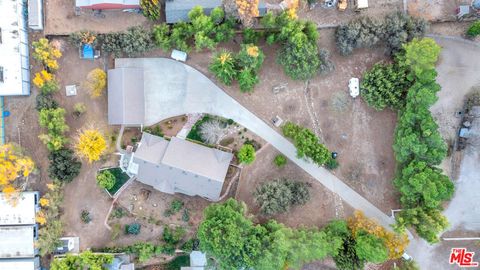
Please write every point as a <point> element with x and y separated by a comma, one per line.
<point>180,166</point>
<point>17,241</point>
<point>177,10</point>
<point>14,63</point>
<point>126,96</point>
<point>195,158</point>
<point>20,264</point>
<point>198,259</point>
<point>22,213</point>
<point>35,14</point>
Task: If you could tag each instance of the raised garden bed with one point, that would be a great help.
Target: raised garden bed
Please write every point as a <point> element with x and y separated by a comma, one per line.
<point>120,179</point>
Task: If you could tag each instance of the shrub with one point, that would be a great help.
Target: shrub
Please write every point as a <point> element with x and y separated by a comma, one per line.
<point>428,223</point>
<point>156,130</point>
<point>135,40</point>
<point>150,9</point>
<point>64,166</point>
<point>385,85</point>
<point>133,228</point>
<point>54,121</point>
<point>106,179</point>
<point>347,258</point>
<point>175,206</point>
<point>46,82</point>
<point>300,61</point>
<point>90,144</point>
<point>186,215</point>
<point>250,36</point>
<point>96,82</point>
<point>278,196</point>
<point>280,160</point>
<point>212,131</point>
<point>85,216</point>
<point>45,102</point>
<point>474,29</point>
<point>370,248</point>
<point>326,65</point>
<point>79,38</point>
<point>172,238</point>
<point>118,212</point>
<point>79,109</point>
<point>331,164</point>
<point>247,79</point>
<point>246,154</point>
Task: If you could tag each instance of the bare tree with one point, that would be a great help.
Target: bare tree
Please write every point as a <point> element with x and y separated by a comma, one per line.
<point>212,131</point>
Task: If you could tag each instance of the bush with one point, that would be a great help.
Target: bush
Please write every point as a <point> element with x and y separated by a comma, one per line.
<point>46,82</point>
<point>79,109</point>
<point>45,102</point>
<point>119,212</point>
<point>300,61</point>
<point>106,179</point>
<point>331,164</point>
<point>347,258</point>
<point>133,228</point>
<point>136,40</point>
<point>64,166</point>
<point>280,160</point>
<point>278,196</point>
<point>90,144</point>
<point>156,130</point>
<point>54,121</point>
<point>370,248</point>
<point>474,29</point>
<point>79,38</point>
<point>85,217</point>
<point>246,154</point>
<point>247,79</point>
<point>175,206</point>
<point>172,238</point>
<point>385,85</point>
<point>326,65</point>
<point>250,36</point>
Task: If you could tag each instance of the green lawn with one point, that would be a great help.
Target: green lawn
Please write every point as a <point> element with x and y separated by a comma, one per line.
<point>120,179</point>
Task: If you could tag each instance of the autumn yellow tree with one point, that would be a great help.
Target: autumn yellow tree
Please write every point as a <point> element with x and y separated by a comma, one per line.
<point>91,144</point>
<point>14,167</point>
<point>247,10</point>
<point>47,53</point>
<point>395,243</point>
<point>96,82</point>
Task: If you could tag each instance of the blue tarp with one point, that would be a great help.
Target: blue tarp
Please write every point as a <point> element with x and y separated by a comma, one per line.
<point>87,52</point>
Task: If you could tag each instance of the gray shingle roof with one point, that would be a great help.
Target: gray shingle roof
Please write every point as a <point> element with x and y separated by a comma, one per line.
<point>177,10</point>
<point>181,166</point>
<point>126,96</point>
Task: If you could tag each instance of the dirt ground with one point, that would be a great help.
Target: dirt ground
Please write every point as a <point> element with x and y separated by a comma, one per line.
<point>362,136</point>
<point>435,10</point>
<point>60,19</point>
<point>322,207</point>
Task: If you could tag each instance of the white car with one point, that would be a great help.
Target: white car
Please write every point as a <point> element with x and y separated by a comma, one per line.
<point>354,87</point>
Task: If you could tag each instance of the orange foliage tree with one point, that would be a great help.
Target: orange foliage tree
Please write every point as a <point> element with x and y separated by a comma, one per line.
<point>395,243</point>
<point>13,168</point>
<point>247,10</point>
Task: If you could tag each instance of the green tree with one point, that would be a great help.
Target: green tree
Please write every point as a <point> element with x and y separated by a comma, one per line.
<point>246,154</point>
<point>370,248</point>
<point>347,258</point>
<point>84,260</point>
<point>421,54</point>
<point>106,179</point>
<point>54,121</point>
<point>427,222</point>
<point>64,166</point>
<point>247,78</point>
<point>226,234</point>
<point>133,228</point>
<point>422,185</point>
<point>385,85</point>
<point>161,36</point>
<point>300,61</point>
<point>307,143</point>
<point>223,67</point>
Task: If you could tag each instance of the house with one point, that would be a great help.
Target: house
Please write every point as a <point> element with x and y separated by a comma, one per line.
<point>177,10</point>
<point>178,166</point>
<point>14,63</point>
<point>18,232</point>
<point>198,261</point>
<point>120,262</point>
<point>107,4</point>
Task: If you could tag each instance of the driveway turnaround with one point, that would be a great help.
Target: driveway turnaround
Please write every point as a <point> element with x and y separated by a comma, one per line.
<point>172,88</point>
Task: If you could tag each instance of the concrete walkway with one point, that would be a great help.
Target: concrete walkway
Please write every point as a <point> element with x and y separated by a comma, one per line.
<point>184,90</point>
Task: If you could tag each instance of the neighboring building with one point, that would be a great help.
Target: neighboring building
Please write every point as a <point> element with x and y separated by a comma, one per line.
<point>14,64</point>
<point>35,14</point>
<point>178,166</point>
<point>198,261</point>
<point>120,262</point>
<point>18,232</point>
<point>108,4</point>
<point>177,10</point>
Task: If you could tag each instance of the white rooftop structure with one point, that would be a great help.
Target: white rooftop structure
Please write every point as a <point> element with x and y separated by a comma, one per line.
<point>14,65</point>
<point>20,264</point>
<point>35,14</point>
<point>17,241</point>
<point>22,212</point>
<point>198,261</point>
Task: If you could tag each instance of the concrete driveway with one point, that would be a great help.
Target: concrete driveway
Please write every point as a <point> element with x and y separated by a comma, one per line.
<point>172,88</point>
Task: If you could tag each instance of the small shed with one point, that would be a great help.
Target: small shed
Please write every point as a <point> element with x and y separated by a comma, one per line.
<point>35,14</point>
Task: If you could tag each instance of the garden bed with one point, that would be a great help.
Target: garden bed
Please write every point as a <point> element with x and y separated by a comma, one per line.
<point>120,179</point>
